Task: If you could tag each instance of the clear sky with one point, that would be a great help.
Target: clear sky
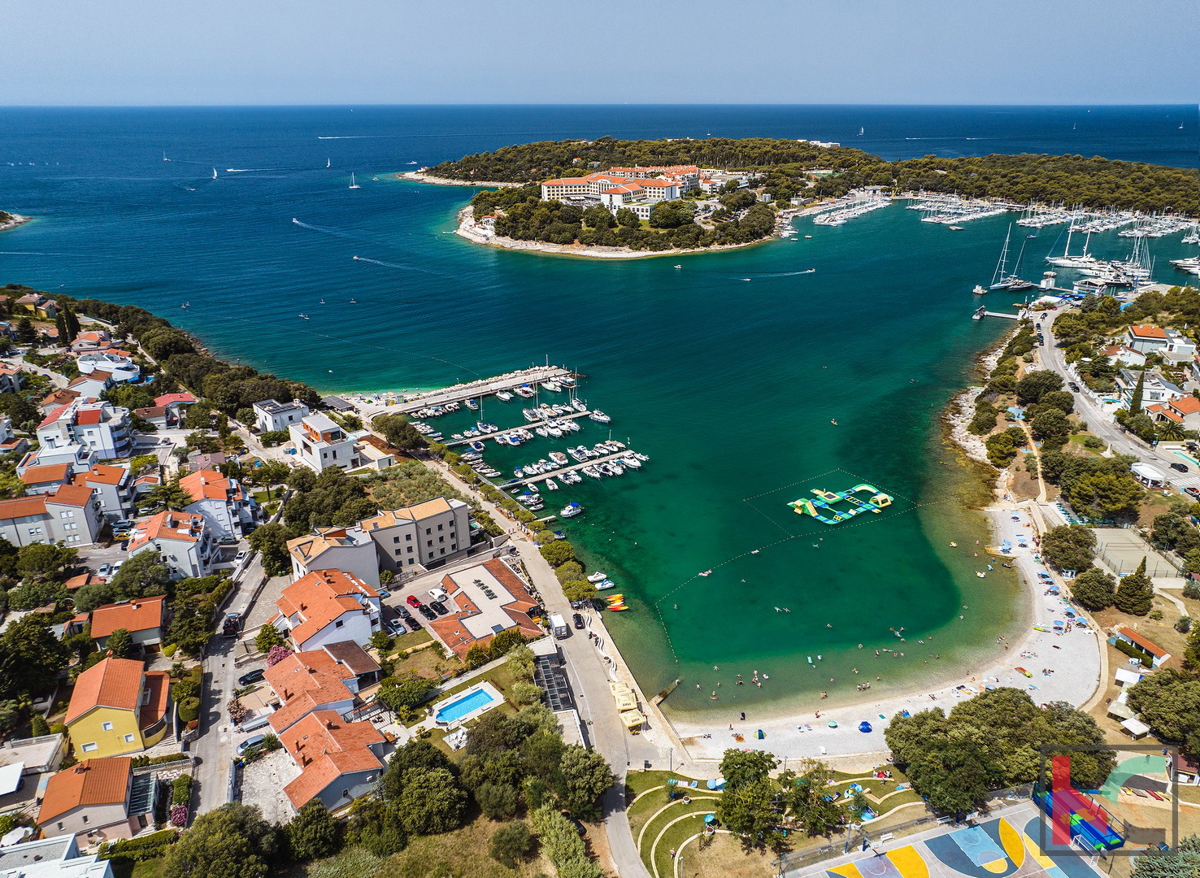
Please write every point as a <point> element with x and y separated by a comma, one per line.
<point>138,52</point>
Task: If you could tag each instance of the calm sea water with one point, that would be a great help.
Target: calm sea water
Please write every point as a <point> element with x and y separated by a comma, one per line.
<point>727,372</point>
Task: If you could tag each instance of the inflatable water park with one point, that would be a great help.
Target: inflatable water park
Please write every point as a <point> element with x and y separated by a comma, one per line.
<point>822,508</point>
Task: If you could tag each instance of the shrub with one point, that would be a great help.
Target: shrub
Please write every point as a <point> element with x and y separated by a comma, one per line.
<point>38,726</point>
<point>1133,652</point>
<point>189,710</point>
<point>1184,624</point>
<point>144,847</point>
<point>181,790</point>
<point>511,844</point>
<point>179,815</point>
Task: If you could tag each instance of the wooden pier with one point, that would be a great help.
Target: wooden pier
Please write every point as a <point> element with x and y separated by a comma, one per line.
<point>541,477</point>
<point>475,389</point>
<point>530,426</point>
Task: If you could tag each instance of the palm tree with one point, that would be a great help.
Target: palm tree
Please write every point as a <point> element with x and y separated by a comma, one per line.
<point>1172,431</point>
<point>171,495</point>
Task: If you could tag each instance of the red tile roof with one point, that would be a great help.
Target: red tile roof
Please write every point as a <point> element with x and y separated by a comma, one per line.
<point>325,747</point>
<point>158,696</point>
<point>1147,331</point>
<point>111,682</point>
<point>455,635</point>
<point>321,597</point>
<point>54,415</point>
<point>70,495</point>
<point>51,472</point>
<point>205,484</point>
<point>304,681</point>
<point>171,398</point>
<point>23,507</point>
<point>143,614</point>
<point>91,782</point>
<point>1185,405</point>
<point>87,417</point>
<point>179,526</point>
<point>103,474</point>
<point>1150,646</point>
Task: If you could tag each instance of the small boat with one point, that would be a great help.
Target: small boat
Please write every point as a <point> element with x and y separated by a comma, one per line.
<point>599,417</point>
<point>354,301</point>
<point>605,584</point>
<point>504,396</point>
<point>214,173</point>
<point>597,577</point>
<point>477,445</point>
<point>956,228</point>
<point>571,510</point>
<point>304,317</point>
<point>471,404</point>
<point>326,164</point>
<point>677,267</point>
<point>353,185</point>
<point>551,484</point>
<point>165,159</point>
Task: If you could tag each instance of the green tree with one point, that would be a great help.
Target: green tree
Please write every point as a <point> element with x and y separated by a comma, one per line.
<point>44,560</point>
<point>1170,431</point>
<point>1135,592</point>
<point>119,643</point>
<point>569,572</point>
<point>38,726</point>
<point>268,636</point>
<point>1069,547</point>
<point>1000,450</point>
<point>270,541</point>
<point>399,432</point>
<point>1094,589</point>
<point>60,324</point>
<point>31,657</point>
<point>1135,401</point>
<point>232,841</point>
<point>628,219</point>
<point>1051,426</point>
<point>1059,399</point>
<point>498,801</point>
<point>578,590</point>
<point>585,777</point>
<point>1035,385</point>
<point>1181,862</point>
<point>26,334</point>
<point>73,327</point>
<point>375,825</point>
<point>562,844</point>
<point>143,575</point>
<point>432,802</point>
<point>23,413</point>
<point>513,843</point>
<point>806,796</point>
<point>405,690</point>
<point>753,810</point>
<point>418,756</point>
<point>313,833</point>
<point>171,494</point>
<point>558,553</point>
<point>1169,702</point>
<point>740,767</point>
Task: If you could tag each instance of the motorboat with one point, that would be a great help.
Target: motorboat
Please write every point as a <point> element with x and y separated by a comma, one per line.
<point>599,417</point>
<point>558,457</point>
<point>504,396</point>
<point>571,510</point>
<point>551,484</point>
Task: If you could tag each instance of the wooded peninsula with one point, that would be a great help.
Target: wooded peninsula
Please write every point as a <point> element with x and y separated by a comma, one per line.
<point>786,172</point>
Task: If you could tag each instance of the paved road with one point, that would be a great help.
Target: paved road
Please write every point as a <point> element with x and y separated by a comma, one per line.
<point>1101,424</point>
<point>214,748</point>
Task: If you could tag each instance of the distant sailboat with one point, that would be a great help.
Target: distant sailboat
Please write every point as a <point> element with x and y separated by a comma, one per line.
<point>165,159</point>
<point>214,173</point>
<point>353,185</point>
<point>861,131</point>
<point>326,164</point>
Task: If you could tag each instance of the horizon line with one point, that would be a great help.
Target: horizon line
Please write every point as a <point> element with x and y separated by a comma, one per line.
<point>216,106</point>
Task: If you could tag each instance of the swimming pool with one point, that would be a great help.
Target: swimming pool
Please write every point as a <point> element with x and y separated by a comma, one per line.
<point>474,701</point>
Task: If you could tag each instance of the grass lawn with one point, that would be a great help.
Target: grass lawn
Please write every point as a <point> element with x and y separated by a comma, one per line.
<point>462,852</point>
<point>129,869</point>
<point>501,676</point>
<point>427,663</point>
<point>723,855</point>
<point>409,640</point>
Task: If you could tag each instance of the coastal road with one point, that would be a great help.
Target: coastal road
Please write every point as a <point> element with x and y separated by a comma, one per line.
<point>1101,424</point>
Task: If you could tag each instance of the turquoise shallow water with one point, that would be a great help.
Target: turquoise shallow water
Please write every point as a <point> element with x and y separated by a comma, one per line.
<point>728,384</point>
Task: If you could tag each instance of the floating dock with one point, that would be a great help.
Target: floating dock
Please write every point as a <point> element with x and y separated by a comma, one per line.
<point>822,508</point>
<point>453,443</point>
<point>475,389</point>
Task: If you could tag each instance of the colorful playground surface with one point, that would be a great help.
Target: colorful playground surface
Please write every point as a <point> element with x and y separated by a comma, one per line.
<point>849,505</point>
<point>996,848</point>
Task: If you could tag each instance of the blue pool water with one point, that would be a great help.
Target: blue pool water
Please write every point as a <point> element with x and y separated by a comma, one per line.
<point>459,708</point>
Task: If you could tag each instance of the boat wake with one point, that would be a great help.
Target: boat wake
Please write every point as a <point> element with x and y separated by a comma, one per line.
<point>782,274</point>
<point>252,170</point>
<point>396,265</point>
<point>325,231</point>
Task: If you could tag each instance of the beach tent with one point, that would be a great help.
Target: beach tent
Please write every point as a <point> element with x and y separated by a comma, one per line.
<point>760,735</point>
<point>1136,728</point>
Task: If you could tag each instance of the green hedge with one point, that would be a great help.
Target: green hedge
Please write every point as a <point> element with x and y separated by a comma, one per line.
<point>181,790</point>
<point>1133,652</point>
<point>146,847</point>
<point>142,761</point>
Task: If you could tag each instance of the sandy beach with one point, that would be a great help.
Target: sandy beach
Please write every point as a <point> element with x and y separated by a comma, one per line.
<point>419,177</point>
<point>1064,666</point>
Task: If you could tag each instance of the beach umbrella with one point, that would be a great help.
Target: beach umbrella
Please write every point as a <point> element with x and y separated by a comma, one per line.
<point>833,724</point>
<point>710,818</point>
<point>864,727</point>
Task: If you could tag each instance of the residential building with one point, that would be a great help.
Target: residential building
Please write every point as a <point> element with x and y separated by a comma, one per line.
<point>308,681</point>
<point>12,379</point>
<point>155,416</point>
<point>70,516</point>
<point>1144,645</point>
<point>327,606</point>
<point>182,539</point>
<point>118,707</point>
<point>91,341</point>
<point>1183,771</point>
<point>37,305</point>
<point>54,857</point>
<point>221,501</point>
<point>144,618</point>
<point>485,599</point>
<point>1184,411</point>
<point>199,460</point>
<point>1123,354</point>
<point>271,416</point>
<point>57,400</point>
<point>45,479</point>
<point>119,368</point>
<point>100,427</point>
<point>320,443</point>
<point>1155,389</point>
<point>112,486</point>
<point>427,534</point>
<point>1150,339</point>
<point>353,657</point>
<point>338,760</point>
<point>98,800</point>
<point>93,384</point>
<point>9,442</point>
<point>336,548</point>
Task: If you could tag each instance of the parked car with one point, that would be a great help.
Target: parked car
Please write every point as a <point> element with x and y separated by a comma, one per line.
<point>1179,467</point>
<point>104,570</point>
<point>1074,387</point>
<point>232,625</point>
<point>251,677</point>
<point>413,624</point>
<point>384,593</point>
<point>252,741</point>
<point>1194,493</point>
<point>578,620</point>
<point>122,535</point>
<point>413,601</point>
<point>395,627</point>
<point>240,557</point>
<point>403,613</point>
<point>123,524</point>
<point>117,566</point>
<point>426,612</point>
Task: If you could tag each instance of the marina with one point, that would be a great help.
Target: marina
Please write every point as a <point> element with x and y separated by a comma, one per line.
<point>410,403</point>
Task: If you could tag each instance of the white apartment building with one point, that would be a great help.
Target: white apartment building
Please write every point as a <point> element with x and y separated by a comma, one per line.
<point>342,548</point>
<point>182,539</point>
<point>270,416</point>
<point>320,443</point>
<point>71,515</point>
<point>220,500</point>
<point>99,427</point>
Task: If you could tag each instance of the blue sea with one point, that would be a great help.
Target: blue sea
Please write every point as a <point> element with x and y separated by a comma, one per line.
<point>727,372</point>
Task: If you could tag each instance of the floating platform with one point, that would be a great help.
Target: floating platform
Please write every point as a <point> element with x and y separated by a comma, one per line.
<point>822,508</point>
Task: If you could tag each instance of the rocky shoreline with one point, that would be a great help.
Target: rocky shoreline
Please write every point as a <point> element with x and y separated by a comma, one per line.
<point>14,220</point>
<point>961,410</point>
<point>418,177</point>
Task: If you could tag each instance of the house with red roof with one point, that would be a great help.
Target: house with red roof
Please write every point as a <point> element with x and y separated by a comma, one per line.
<point>327,606</point>
<point>1144,645</point>
<point>37,305</point>
<point>12,379</point>
<point>91,340</point>
<point>99,427</point>
<point>97,800</point>
<point>45,479</point>
<point>144,618</point>
<point>485,599</point>
<point>69,515</point>
<point>182,539</point>
<point>338,760</point>
<point>112,487</point>
<point>118,707</point>
<point>221,501</point>
<point>1170,343</point>
<point>308,681</point>
<point>93,384</point>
